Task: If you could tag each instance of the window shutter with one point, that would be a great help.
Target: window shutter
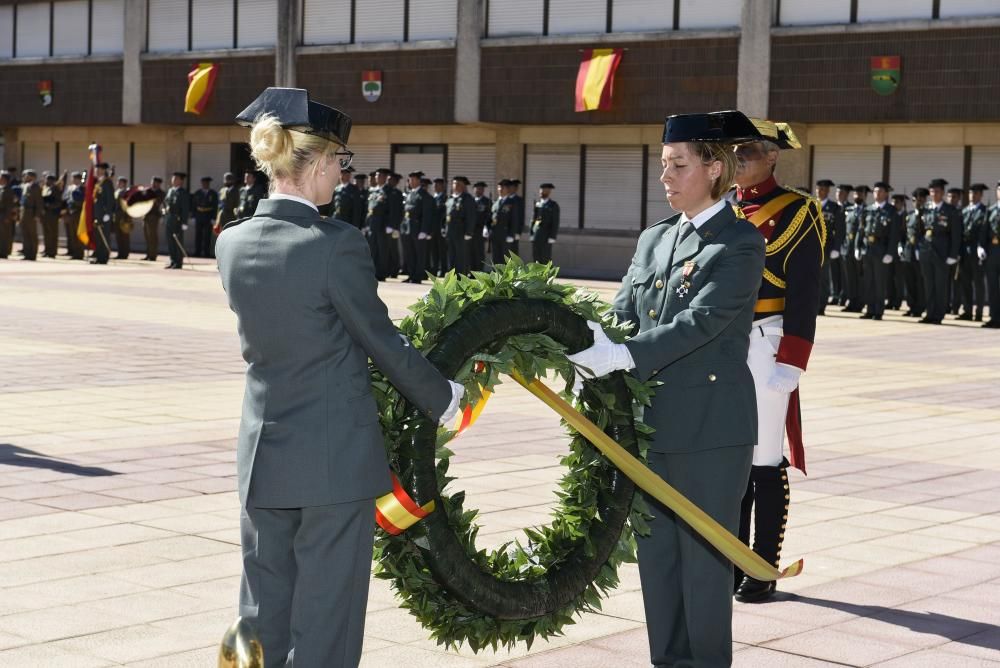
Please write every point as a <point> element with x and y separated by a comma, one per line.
<point>433,19</point>
<point>168,25</point>
<point>613,196</point>
<point>327,22</point>
<point>257,23</point>
<point>516,17</point>
<point>108,27</point>
<point>379,21</point>
<point>642,15</point>
<point>560,166</point>
<point>69,28</point>
<point>33,30</point>
<point>212,24</point>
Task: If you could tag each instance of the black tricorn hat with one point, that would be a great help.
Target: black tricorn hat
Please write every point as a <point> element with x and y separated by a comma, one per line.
<point>883,185</point>
<point>503,182</point>
<point>938,183</point>
<point>718,126</point>
<point>348,170</point>
<point>360,176</point>
<point>295,111</point>
<point>383,170</point>
<point>479,184</point>
<point>921,192</point>
<point>416,174</point>
<point>904,198</point>
<point>845,186</point>
<point>461,179</point>
<point>955,191</point>
<point>862,189</point>
<point>825,183</point>
<point>546,186</point>
<point>978,187</point>
<point>182,175</point>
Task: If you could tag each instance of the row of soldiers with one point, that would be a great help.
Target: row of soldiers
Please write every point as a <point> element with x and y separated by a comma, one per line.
<point>425,230</point>
<point>937,256</point>
<point>29,203</point>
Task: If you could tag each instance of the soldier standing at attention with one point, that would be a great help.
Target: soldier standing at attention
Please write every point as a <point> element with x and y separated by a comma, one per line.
<point>32,208</point>
<point>345,199</point>
<point>52,198</point>
<point>395,222</point>
<point>8,211</point>
<point>176,212</point>
<point>971,274</point>
<point>854,218</point>
<point>377,222</point>
<point>251,193</point>
<point>544,224</point>
<point>940,242</point>
<point>73,204</point>
<point>460,223</point>
<point>483,206</point>
<point>913,282</point>
<point>517,220</point>
<point>151,221</point>
<point>205,203</point>
<point>105,206</point>
<point>500,224</point>
<point>781,340</point>
<point>437,263</point>
<point>836,256</point>
<point>989,252</point>
<point>833,216</point>
<point>418,217</point>
<point>897,284</point>
<point>877,245</point>
<point>122,224</point>
<point>229,201</point>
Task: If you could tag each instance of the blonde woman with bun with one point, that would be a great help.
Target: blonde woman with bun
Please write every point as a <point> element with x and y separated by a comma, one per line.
<point>310,456</point>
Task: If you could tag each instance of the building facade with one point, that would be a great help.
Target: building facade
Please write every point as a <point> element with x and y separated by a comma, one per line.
<point>485,88</point>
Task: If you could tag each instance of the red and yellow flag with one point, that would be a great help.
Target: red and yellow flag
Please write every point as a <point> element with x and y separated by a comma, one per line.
<point>201,83</point>
<point>85,227</point>
<point>596,78</point>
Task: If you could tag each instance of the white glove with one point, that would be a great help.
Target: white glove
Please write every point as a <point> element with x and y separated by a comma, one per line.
<point>834,254</point>
<point>184,226</point>
<point>486,233</point>
<point>916,254</point>
<point>106,218</point>
<point>900,249</point>
<point>552,241</point>
<point>510,240</point>
<point>457,392</point>
<point>886,259</point>
<point>599,359</point>
<point>467,237</point>
<point>981,252</point>
<point>388,229</point>
<point>785,378</point>
<point>857,254</point>
<point>366,231</point>
<point>950,261</point>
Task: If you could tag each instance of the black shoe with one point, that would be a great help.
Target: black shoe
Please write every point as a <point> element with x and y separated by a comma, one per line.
<point>876,317</point>
<point>979,317</point>
<point>754,591</point>
<point>823,312</point>
<point>991,324</point>
<point>171,266</point>
<point>964,316</point>
<point>867,316</point>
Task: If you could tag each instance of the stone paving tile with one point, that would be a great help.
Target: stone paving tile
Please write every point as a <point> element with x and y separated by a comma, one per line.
<point>119,522</point>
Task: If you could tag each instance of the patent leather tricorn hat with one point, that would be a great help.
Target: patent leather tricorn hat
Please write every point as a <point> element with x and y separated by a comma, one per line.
<point>295,111</point>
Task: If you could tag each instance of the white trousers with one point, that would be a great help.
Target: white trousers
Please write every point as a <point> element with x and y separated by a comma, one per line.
<point>772,407</point>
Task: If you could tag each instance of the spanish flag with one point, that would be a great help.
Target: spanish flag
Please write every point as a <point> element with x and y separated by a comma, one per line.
<point>85,227</point>
<point>201,83</point>
<point>596,78</point>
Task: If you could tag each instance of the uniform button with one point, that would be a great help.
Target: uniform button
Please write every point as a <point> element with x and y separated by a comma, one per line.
<point>711,377</point>
<point>771,223</point>
<point>659,284</point>
<point>652,313</point>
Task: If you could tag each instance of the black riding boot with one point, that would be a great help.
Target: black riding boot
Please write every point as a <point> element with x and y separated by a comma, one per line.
<point>745,509</point>
<point>771,495</point>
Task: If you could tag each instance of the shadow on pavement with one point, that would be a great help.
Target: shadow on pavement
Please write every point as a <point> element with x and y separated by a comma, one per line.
<point>12,455</point>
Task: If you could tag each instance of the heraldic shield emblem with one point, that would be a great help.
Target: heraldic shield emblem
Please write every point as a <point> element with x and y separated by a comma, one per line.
<point>885,74</point>
<point>371,84</point>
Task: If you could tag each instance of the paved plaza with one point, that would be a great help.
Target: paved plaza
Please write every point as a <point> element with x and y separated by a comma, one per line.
<point>120,391</point>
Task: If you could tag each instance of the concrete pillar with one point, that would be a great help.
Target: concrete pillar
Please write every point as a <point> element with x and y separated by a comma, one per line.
<point>754,70</point>
<point>176,154</point>
<point>510,156</point>
<point>135,45</point>
<point>288,39</point>
<point>467,50</point>
<point>793,166</point>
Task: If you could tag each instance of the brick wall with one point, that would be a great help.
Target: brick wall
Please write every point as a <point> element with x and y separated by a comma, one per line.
<point>240,80</point>
<point>947,75</point>
<point>418,87</point>
<point>82,94</point>
<point>538,84</point>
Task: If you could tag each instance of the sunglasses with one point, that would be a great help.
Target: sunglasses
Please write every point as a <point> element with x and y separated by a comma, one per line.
<point>345,158</point>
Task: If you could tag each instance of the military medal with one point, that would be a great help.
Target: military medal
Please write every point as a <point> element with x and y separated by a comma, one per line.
<point>685,285</point>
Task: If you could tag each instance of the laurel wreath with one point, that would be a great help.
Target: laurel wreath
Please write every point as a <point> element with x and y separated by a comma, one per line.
<point>478,329</point>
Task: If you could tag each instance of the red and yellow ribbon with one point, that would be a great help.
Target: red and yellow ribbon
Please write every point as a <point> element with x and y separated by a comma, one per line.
<point>396,511</point>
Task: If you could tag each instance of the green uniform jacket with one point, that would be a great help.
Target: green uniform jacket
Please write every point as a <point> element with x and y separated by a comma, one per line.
<point>105,203</point>
<point>304,292</point>
<point>695,340</point>
<point>229,200</point>
<point>32,204</point>
<point>176,207</point>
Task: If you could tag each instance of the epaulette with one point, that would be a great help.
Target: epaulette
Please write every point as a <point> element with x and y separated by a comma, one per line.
<point>234,223</point>
<point>800,225</point>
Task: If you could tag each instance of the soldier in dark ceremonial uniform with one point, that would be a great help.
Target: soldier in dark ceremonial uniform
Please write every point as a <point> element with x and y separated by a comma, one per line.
<point>229,201</point>
<point>854,218</point>
<point>8,214</point>
<point>251,193</point>
<point>377,222</point>
<point>484,205</point>
<point>347,204</point>
<point>32,209</point>
<point>953,196</point>
<point>971,272</point>
<point>437,261</point>
<point>896,286</point>
<point>501,222</point>
<point>205,206</point>
<point>517,224</point>
<point>876,244</point>
<point>105,210</point>
<point>73,205</point>
<point>396,201</point>
<point>122,224</point>
<point>781,340</point>
<point>460,224</point>
<point>176,212</point>
<point>52,198</point>
<point>989,244</point>
<point>151,221</point>
<point>418,222</point>
<point>910,265</point>
<point>833,216</point>
<point>836,256</point>
<point>544,224</point>
<point>939,244</point>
